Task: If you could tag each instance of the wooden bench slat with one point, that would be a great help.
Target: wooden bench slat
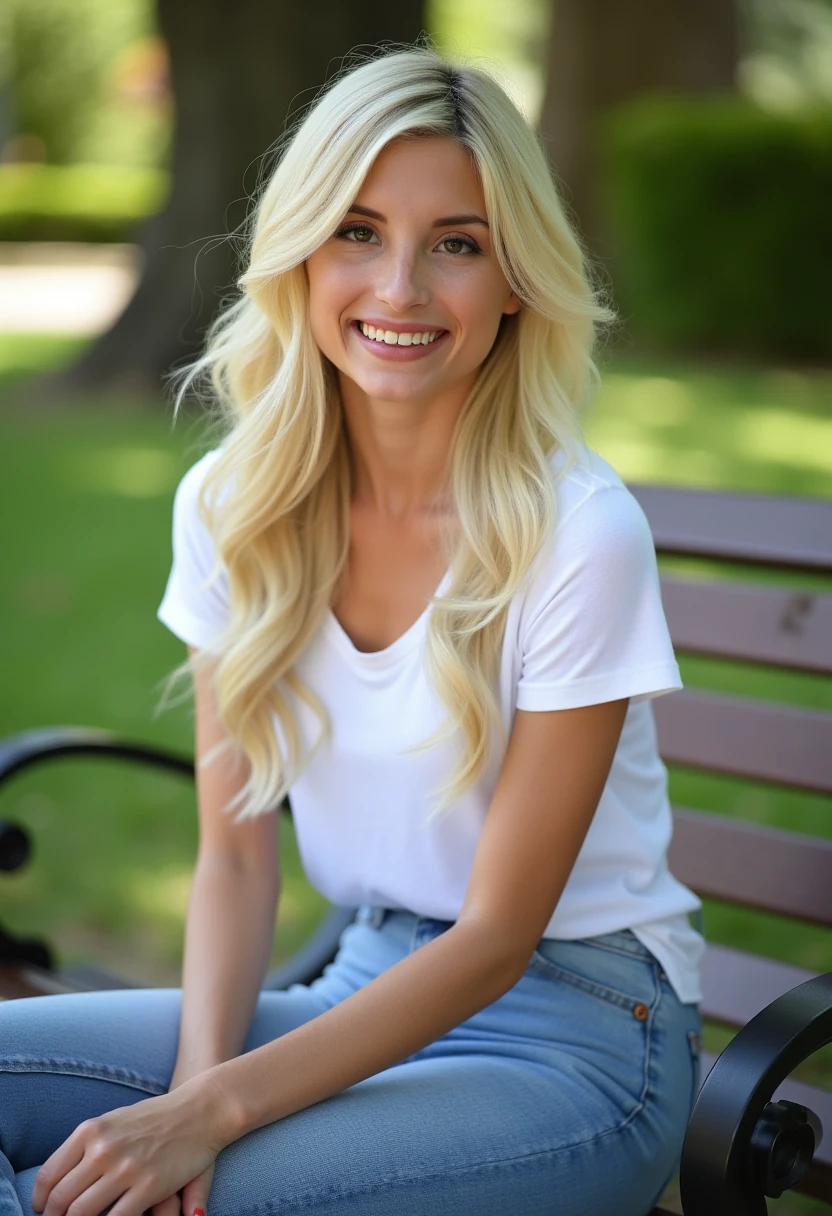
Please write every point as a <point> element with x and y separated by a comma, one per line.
<point>818,1181</point>
<point>780,744</point>
<point>24,981</point>
<point>795,533</point>
<point>736,985</point>
<point>773,625</point>
<point>759,867</point>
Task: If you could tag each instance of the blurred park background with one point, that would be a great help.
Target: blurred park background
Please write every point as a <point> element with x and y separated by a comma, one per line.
<point>693,146</point>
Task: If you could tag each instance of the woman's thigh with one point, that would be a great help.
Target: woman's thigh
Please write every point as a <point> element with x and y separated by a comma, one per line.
<point>568,1095</point>
<point>70,1057</point>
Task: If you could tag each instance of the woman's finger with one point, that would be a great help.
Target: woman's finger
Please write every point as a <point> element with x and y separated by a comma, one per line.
<point>89,1189</point>
<point>64,1159</point>
<point>172,1206</point>
<point>195,1194</point>
<point>98,1197</point>
<point>74,1184</point>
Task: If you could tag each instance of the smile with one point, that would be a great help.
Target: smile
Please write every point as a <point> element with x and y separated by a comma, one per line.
<point>392,337</point>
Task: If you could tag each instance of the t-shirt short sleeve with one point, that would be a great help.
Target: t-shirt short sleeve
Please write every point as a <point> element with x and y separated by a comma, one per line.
<point>593,627</point>
<point>195,603</point>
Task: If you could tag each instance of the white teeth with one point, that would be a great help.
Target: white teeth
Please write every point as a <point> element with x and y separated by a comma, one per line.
<point>391,338</point>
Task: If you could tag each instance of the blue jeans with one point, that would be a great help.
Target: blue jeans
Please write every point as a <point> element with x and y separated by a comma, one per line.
<point>568,1095</point>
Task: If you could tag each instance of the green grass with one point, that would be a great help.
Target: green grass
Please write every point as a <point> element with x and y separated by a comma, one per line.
<point>88,493</point>
<point>77,202</point>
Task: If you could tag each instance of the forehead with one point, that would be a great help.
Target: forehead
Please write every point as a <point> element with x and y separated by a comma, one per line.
<point>434,174</point>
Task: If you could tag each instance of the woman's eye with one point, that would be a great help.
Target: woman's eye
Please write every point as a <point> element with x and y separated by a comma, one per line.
<point>459,244</point>
<point>360,233</point>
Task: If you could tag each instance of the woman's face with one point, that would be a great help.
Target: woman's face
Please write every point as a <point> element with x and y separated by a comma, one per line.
<point>407,295</point>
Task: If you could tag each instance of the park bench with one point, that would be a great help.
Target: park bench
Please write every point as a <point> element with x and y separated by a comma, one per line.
<point>754,1131</point>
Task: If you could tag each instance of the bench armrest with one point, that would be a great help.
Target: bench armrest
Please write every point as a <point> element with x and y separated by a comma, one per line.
<point>31,747</point>
<point>729,1159</point>
<point>308,962</point>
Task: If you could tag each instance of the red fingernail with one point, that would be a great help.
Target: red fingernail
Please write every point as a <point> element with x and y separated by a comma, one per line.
<point>199,1212</point>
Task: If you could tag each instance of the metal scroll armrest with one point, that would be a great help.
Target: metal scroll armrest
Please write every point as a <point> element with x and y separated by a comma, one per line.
<point>740,1146</point>
<point>28,748</point>
<point>31,747</point>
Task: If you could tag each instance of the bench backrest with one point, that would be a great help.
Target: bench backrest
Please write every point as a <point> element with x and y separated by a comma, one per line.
<point>778,625</point>
<point>783,745</point>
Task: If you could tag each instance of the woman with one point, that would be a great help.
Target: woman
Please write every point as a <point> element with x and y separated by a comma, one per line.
<point>416,600</point>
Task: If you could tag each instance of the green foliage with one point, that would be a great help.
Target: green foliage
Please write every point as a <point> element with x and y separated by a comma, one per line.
<point>55,64</point>
<point>719,211</point>
<point>63,58</point>
<point>506,39</point>
<point>787,51</point>
<point>77,202</point>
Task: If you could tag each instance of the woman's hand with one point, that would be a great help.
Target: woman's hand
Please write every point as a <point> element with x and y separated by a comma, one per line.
<point>134,1157</point>
<point>192,1198</point>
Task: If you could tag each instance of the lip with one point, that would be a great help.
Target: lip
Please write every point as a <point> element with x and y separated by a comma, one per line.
<point>398,354</point>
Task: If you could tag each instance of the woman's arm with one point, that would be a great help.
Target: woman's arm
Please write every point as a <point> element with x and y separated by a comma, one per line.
<point>551,782</point>
<point>552,778</point>
<point>231,911</point>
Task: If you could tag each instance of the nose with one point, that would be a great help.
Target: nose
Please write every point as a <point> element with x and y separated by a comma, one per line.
<point>402,281</point>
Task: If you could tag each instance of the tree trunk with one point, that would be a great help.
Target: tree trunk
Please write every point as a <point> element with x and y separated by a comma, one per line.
<point>239,69</point>
<point>602,52</point>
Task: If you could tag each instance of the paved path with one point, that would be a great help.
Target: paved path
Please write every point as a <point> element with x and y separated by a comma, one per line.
<point>64,289</point>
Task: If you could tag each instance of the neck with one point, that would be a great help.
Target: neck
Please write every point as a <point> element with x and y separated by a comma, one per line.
<point>400,451</point>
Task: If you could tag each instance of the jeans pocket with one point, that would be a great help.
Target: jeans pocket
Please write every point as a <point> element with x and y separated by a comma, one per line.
<point>624,979</point>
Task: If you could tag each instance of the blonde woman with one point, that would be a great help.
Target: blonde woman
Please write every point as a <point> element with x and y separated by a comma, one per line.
<point>416,600</point>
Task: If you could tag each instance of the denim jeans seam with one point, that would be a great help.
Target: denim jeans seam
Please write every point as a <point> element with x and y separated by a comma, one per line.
<point>642,953</point>
<point>307,1199</point>
<point>82,1068</point>
<point>612,996</point>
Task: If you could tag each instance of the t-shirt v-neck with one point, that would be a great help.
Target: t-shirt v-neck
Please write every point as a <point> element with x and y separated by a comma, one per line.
<point>404,643</point>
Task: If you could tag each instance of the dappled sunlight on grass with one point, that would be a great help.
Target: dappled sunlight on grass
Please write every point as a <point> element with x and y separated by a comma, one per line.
<point>27,354</point>
<point>655,400</point>
<point>139,472</point>
<point>160,893</point>
<point>786,437</point>
<point>749,429</point>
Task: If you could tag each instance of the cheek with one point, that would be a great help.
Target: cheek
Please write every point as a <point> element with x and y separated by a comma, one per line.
<point>482,311</point>
<point>328,297</point>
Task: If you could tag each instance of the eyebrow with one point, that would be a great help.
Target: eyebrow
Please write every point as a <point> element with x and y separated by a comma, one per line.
<point>446,221</point>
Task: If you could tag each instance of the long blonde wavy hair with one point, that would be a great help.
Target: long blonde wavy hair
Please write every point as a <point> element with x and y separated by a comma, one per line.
<point>276,499</point>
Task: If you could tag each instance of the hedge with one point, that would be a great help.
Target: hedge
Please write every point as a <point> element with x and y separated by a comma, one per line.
<point>719,213</point>
<point>77,202</point>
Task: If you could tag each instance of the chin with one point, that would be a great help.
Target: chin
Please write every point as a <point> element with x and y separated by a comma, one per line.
<point>390,388</point>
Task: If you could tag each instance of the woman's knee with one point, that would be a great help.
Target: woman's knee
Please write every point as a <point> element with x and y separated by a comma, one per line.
<point>72,1056</point>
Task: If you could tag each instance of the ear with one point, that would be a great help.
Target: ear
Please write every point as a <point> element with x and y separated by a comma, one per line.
<point>513,305</point>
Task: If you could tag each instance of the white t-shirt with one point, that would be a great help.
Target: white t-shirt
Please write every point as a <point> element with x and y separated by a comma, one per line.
<point>589,627</point>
